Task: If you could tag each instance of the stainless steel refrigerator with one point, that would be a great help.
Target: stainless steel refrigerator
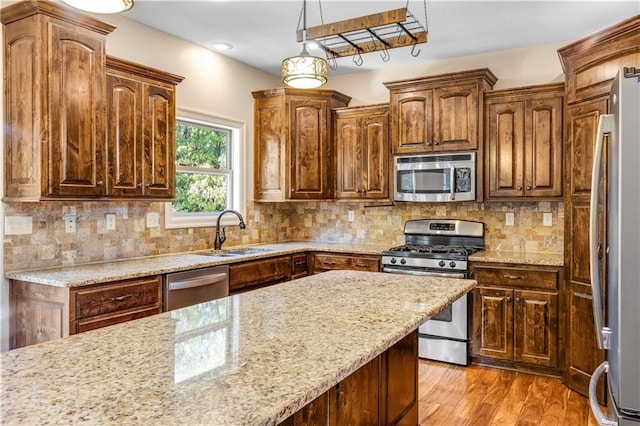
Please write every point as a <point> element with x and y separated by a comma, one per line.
<point>620,334</point>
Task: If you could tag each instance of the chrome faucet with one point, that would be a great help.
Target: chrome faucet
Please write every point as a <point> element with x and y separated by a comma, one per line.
<point>217,244</point>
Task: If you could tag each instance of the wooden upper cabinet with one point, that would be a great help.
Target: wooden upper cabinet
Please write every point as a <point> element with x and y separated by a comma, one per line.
<point>293,153</point>
<point>141,130</point>
<point>523,137</point>
<point>438,113</point>
<point>54,102</point>
<point>362,152</point>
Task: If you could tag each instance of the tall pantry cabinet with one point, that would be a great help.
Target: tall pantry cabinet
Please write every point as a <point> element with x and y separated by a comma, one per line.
<point>590,65</point>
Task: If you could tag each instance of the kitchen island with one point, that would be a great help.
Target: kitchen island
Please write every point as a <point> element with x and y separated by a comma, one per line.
<point>254,358</point>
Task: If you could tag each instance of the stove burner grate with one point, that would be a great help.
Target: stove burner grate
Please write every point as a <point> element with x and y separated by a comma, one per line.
<point>433,249</point>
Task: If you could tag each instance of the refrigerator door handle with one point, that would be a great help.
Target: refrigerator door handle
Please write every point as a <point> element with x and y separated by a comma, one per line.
<point>602,333</point>
<point>601,417</point>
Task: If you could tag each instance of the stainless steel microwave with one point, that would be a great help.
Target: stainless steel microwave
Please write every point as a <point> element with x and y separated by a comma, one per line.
<point>435,177</point>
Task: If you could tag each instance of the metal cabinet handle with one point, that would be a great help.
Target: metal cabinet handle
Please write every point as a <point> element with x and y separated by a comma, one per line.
<point>361,265</point>
<point>100,183</point>
<point>121,298</point>
<point>513,277</point>
<point>325,262</point>
<point>148,185</point>
<point>139,185</point>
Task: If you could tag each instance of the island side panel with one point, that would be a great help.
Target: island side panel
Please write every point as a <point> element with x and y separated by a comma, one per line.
<point>388,384</point>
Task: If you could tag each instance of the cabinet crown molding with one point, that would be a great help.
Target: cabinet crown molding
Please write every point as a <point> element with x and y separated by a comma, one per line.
<point>29,8</point>
<point>452,78</point>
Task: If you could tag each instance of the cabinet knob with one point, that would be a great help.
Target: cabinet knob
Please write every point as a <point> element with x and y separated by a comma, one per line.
<point>428,143</point>
<point>148,185</point>
<point>519,188</point>
<point>436,143</point>
<point>528,188</point>
<point>100,183</point>
<point>139,185</point>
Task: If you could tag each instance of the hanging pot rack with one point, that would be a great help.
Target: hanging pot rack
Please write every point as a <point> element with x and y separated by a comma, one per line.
<point>377,32</point>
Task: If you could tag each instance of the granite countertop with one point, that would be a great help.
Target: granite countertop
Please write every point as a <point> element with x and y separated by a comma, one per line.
<point>521,258</point>
<point>250,359</point>
<point>94,273</point>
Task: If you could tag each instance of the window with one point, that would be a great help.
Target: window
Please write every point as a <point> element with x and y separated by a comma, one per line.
<point>208,170</point>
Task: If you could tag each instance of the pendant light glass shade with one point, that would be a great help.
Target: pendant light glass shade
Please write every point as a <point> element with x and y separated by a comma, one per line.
<point>304,71</point>
<point>101,6</point>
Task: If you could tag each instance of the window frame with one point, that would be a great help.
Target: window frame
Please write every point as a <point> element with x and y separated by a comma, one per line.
<point>237,194</point>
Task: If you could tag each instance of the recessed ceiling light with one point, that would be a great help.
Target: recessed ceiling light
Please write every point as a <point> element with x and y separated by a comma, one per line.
<point>221,46</point>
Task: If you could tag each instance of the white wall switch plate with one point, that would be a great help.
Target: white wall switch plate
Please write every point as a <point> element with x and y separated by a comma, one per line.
<point>256,216</point>
<point>509,219</point>
<point>18,225</point>
<point>153,220</point>
<point>110,221</point>
<point>351,216</point>
<point>69,224</point>
<point>547,219</point>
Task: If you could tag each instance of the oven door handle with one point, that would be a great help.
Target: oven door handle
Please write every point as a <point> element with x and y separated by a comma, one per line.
<point>424,273</point>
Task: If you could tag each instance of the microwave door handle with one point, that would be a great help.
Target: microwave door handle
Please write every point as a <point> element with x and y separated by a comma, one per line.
<point>452,183</point>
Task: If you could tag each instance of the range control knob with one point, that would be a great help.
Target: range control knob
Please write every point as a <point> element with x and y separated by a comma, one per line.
<point>403,261</point>
<point>452,264</point>
<point>441,264</point>
<point>393,260</point>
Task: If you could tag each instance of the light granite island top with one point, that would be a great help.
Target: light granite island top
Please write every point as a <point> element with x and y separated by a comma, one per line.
<point>250,359</point>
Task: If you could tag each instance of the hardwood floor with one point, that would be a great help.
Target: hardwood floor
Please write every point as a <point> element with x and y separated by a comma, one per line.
<point>452,395</point>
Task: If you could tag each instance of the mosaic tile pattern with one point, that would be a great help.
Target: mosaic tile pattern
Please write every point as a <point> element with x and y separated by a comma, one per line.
<point>50,246</point>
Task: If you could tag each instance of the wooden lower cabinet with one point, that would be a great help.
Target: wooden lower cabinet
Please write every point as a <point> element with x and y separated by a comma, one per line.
<point>516,317</point>
<point>259,273</point>
<point>321,262</point>
<point>382,392</point>
<point>40,313</point>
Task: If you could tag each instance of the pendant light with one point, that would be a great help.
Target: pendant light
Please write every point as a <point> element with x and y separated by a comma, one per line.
<point>304,71</point>
<point>101,6</point>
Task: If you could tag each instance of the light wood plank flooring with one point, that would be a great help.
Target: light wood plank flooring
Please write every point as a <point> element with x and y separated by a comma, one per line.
<point>453,395</point>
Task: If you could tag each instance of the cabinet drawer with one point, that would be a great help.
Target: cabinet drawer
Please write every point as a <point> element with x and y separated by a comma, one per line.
<point>115,297</point>
<point>328,262</point>
<point>98,322</point>
<point>259,272</point>
<point>516,277</point>
<point>299,266</point>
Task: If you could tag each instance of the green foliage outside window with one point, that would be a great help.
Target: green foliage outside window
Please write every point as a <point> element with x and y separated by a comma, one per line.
<point>202,177</point>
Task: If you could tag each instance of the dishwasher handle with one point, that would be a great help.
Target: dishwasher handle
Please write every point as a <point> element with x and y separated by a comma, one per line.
<point>198,282</point>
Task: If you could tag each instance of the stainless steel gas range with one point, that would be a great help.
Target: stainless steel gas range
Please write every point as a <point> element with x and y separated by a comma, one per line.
<point>439,248</point>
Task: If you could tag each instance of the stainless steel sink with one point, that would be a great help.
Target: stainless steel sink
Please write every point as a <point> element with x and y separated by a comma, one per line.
<point>236,252</point>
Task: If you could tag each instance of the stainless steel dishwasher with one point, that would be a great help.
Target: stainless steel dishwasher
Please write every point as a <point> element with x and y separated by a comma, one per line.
<point>196,286</point>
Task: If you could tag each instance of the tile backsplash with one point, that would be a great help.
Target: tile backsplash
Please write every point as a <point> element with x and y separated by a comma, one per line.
<point>49,244</point>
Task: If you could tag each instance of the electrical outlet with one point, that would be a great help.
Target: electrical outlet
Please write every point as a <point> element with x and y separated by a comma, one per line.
<point>351,216</point>
<point>111,221</point>
<point>509,219</point>
<point>256,216</point>
<point>70,224</point>
<point>153,220</point>
<point>547,219</point>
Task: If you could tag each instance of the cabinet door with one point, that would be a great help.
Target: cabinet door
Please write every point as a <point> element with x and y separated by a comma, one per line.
<point>456,117</point>
<point>349,157</point>
<point>356,400</point>
<point>76,112</point>
<point>505,149</point>
<point>310,149</point>
<point>258,273</point>
<point>400,369</point>
<point>536,327</point>
<point>158,122</point>
<point>269,150</point>
<point>412,118</point>
<point>124,136</point>
<point>582,123</point>
<point>375,157</point>
<point>493,323</point>
<point>543,136</point>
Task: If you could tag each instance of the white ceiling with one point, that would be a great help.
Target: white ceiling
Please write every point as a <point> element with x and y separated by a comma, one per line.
<point>263,32</point>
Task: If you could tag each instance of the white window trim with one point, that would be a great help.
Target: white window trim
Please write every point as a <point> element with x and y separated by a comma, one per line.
<point>238,160</point>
